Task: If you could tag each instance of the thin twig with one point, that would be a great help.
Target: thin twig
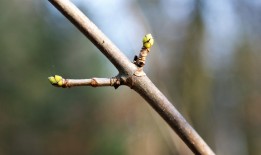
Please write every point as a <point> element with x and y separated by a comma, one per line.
<point>140,60</point>
<point>94,82</point>
<point>59,81</point>
<point>140,84</point>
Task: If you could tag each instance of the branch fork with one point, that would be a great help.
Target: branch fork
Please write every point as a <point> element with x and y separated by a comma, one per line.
<point>116,81</point>
<point>130,74</point>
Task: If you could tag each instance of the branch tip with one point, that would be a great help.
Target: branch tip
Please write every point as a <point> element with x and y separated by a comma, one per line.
<point>56,80</point>
<point>148,41</point>
<point>59,81</point>
<point>140,60</point>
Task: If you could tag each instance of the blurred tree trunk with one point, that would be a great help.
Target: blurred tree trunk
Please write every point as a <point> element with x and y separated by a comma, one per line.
<point>191,77</point>
<point>246,71</point>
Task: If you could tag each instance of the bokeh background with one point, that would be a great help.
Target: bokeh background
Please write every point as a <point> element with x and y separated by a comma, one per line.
<point>206,60</point>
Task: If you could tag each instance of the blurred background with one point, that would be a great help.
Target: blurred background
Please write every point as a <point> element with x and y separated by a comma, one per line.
<point>206,60</point>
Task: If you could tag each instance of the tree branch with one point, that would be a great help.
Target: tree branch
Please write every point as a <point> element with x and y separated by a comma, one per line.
<point>141,84</point>
<point>94,82</point>
<point>59,81</point>
<point>118,59</point>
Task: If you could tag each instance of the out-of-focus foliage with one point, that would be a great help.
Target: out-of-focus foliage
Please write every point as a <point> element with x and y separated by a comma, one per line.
<point>205,59</point>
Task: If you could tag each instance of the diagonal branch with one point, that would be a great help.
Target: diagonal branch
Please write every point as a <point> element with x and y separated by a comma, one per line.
<point>141,84</point>
<point>118,59</point>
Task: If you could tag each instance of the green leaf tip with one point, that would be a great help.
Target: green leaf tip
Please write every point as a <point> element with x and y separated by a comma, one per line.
<point>148,41</point>
<point>56,80</point>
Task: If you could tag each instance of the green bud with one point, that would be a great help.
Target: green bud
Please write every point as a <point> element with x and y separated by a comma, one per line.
<point>52,80</point>
<point>148,41</point>
<point>60,83</point>
<point>56,80</point>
